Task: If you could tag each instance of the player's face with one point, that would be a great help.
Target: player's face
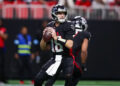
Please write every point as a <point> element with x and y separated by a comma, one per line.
<point>24,31</point>
<point>61,15</point>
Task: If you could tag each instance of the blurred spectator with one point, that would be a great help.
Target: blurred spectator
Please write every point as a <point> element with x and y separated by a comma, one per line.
<point>1,1</point>
<point>42,1</point>
<point>83,3</point>
<point>23,53</point>
<point>27,1</point>
<point>3,37</point>
<point>70,3</point>
<point>108,2</point>
<point>115,3</point>
<point>98,4</point>
<point>9,0</point>
<point>48,2</point>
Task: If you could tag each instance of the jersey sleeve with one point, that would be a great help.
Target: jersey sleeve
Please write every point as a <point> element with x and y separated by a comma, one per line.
<point>87,35</point>
<point>78,39</point>
<point>50,24</point>
<point>69,32</point>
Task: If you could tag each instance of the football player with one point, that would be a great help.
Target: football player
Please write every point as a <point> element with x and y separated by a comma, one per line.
<point>62,41</point>
<point>78,51</point>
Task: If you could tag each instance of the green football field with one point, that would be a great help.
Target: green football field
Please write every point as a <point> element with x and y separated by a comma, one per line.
<point>60,83</point>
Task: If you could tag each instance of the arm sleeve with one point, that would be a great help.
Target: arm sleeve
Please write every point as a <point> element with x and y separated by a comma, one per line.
<point>80,37</point>
<point>69,32</point>
<point>87,35</point>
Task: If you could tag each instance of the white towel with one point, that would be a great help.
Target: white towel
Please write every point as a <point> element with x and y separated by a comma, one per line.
<point>54,67</point>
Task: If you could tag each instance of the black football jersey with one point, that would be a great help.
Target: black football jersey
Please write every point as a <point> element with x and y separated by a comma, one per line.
<point>65,31</point>
<point>78,40</point>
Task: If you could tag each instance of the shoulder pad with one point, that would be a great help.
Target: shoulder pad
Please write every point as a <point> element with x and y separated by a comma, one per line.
<point>50,23</point>
<point>68,21</point>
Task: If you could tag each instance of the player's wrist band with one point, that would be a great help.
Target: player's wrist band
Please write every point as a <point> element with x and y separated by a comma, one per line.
<point>61,41</point>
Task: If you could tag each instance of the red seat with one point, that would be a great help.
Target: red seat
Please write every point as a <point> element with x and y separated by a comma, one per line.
<point>22,10</point>
<point>8,11</point>
<point>36,10</point>
<point>51,3</point>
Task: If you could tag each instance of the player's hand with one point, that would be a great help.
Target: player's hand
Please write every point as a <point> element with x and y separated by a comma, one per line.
<point>32,56</point>
<point>50,29</point>
<point>44,31</point>
<point>54,34</point>
<point>47,29</point>
<point>16,56</point>
<point>84,67</point>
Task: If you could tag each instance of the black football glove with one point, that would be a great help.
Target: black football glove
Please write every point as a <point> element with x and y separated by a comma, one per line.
<point>84,67</point>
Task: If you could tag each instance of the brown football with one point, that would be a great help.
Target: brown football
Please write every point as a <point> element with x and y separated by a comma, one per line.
<point>47,36</point>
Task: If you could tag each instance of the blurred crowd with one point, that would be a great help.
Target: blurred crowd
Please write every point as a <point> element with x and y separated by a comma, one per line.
<point>69,3</point>
<point>39,9</point>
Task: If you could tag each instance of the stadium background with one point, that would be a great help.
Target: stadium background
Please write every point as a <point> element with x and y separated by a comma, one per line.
<point>103,53</point>
<point>103,56</point>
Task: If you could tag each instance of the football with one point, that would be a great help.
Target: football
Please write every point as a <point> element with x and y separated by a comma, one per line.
<point>47,35</point>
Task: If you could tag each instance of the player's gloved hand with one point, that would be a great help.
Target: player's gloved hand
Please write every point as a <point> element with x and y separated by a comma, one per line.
<point>54,34</point>
<point>84,67</point>
<point>46,29</point>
